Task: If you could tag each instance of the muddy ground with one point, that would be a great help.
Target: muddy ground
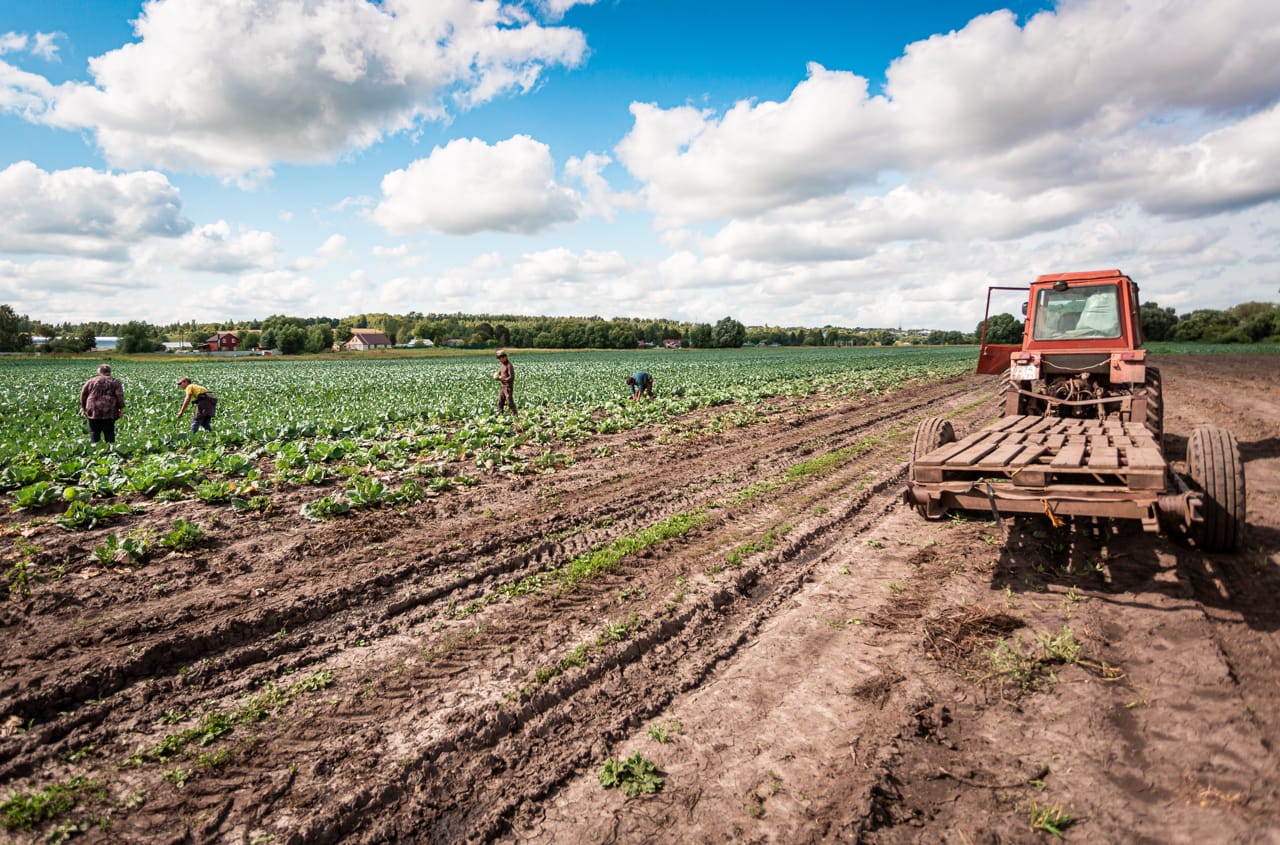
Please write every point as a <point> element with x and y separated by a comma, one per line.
<point>801,656</point>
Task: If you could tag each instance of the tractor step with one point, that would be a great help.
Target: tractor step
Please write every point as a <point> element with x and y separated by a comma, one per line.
<point>1034,452</point>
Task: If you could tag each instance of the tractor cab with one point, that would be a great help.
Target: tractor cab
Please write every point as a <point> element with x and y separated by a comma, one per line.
<point>1070,318</point>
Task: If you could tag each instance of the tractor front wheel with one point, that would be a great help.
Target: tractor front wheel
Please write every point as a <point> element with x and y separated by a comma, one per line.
<point>1213,462</point>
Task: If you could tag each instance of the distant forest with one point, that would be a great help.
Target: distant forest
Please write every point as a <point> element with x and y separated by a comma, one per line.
<point>1249,322</point>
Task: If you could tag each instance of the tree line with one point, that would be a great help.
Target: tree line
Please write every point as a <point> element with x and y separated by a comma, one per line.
<point>1249,322</point>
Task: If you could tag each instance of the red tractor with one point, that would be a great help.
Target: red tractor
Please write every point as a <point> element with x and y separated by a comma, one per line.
<point>1081,354</point>
<point>1082,430</point>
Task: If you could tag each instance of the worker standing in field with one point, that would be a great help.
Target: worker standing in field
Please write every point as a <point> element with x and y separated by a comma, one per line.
<point>641,384</point>
<point>102,403</point>
<point>206,405</point>
<point>506,376</point>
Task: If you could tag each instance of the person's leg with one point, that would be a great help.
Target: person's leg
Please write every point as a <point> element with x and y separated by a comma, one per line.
<point>109,431</point>
<point>95,430</point>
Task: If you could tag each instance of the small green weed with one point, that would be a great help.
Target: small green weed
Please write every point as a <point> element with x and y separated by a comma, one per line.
<point>25,810</point>
<point>177,776</point>
<point>634,776</point>
<point>1050,819</point>
<point>184,536</point>
<point>662,732</point>
<point>253,504</point>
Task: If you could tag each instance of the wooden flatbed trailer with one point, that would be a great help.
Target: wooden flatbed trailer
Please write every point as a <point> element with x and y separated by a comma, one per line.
<point>1063,467</point>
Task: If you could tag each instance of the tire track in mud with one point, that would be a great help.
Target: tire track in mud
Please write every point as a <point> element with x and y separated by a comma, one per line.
<point>683,650</point>
<point>445,780</point>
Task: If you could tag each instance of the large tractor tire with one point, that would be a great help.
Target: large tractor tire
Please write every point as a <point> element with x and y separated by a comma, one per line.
<point>1152,389</point>
<point>930,434</point>
<point>1213,462</point>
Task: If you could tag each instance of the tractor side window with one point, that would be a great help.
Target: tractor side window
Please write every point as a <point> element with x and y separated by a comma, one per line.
<point>1078,312</point>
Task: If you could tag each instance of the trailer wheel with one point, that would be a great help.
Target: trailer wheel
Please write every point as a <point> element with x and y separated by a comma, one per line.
<point>930,434</point>
<point>1213,461</point>
<point>1152,389</point>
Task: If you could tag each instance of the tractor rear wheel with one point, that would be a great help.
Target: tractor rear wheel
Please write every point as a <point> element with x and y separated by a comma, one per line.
<point>931,434</point>
<point>1152,389</point>
<point>1213,461</point>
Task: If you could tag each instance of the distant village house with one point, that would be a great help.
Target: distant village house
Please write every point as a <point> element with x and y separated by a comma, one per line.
<point>362,339</point>
<point>222,342</point>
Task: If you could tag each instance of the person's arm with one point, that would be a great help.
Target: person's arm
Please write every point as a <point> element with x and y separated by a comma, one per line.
<point>186,400</point>
<point>84,397</point>
<point>119,400</point>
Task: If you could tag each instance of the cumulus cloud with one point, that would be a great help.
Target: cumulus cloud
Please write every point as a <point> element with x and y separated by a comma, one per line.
<point>469,186</point>
<point>231,88</point>
<point>334,246</point>
<point>215,248</point>
<point>599,199</point>
<point>85,212</point>
<point>1166,103</point>
<point>270,292</point>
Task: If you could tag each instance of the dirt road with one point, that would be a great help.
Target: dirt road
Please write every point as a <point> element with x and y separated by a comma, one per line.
<point>741,599</point>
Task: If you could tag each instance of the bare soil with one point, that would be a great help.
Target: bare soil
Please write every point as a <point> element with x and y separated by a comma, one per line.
<point>810,661</point>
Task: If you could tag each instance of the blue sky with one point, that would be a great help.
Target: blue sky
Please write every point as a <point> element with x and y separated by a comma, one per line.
<point>802,164</point>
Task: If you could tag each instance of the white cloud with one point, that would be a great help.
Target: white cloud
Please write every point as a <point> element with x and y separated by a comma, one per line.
<point>334,247</point>
<point>272,292</point>
<point>12,42</point>
<point>469,186</point>
<point>1094,105</point>
<point>42,45</point>
<point>215,248</point>
<point>555,9</point>
<point>85,212</point>
<point>600,199</point>
<point>231,87</point>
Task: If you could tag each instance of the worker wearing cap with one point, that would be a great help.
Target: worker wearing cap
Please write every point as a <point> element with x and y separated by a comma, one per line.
<point>506,376</point>
<point>204,404</point>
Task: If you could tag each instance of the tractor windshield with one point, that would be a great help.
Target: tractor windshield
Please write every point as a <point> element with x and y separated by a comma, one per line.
<point>1078,312</point>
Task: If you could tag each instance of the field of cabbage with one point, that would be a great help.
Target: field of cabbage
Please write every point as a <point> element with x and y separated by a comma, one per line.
<point>431,419</point>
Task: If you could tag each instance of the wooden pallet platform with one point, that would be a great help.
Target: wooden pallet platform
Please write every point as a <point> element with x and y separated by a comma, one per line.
<point>1034,452</point>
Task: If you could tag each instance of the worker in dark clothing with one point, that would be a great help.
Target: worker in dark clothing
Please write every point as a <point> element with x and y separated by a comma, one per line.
<point>506,376</point>
<point>641,384</point>
<point>102,403</point>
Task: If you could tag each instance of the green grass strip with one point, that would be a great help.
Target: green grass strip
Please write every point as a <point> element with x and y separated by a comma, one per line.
<point>817,466</point>
<point>25,810</point>
<point>590,564</point>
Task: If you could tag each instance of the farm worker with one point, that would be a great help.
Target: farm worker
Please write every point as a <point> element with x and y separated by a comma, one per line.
<point>641,384</point>
<point>506,376</point>
<point>204,404</point>
<point>102,403</point>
